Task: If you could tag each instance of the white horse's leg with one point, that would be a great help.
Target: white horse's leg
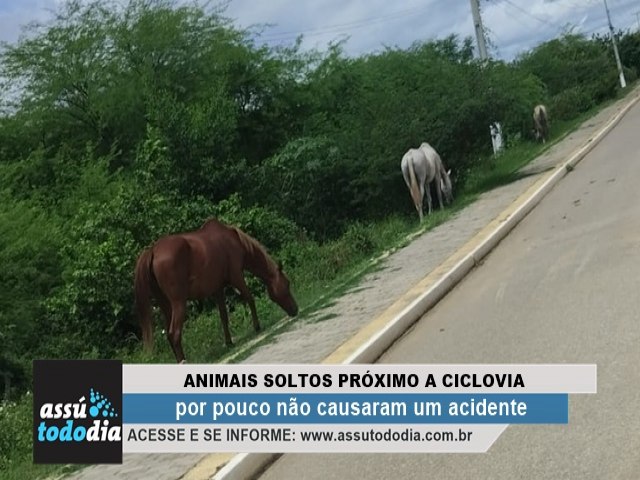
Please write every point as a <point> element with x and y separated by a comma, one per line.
<point>438,181</point>
<point>428,192</point>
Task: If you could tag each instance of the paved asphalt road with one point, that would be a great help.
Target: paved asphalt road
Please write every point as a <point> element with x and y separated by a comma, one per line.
<point>563,287</point>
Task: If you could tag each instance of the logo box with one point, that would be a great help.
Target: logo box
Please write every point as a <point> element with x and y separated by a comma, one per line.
<point>77,411</point>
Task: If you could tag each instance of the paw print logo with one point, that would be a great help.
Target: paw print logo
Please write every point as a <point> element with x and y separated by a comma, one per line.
<point>100,406</point>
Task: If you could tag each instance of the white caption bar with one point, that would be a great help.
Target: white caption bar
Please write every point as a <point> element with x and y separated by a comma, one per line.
<point>386,378</point>
<point>279,438</point>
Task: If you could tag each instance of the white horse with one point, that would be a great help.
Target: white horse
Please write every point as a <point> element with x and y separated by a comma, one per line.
<point>541,123</point>
<point>420,166</point>
<point>441,172</point>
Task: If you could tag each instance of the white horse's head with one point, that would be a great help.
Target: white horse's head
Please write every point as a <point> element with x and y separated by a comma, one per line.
<point>446,187</point>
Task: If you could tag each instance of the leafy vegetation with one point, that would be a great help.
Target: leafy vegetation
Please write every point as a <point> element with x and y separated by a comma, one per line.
<point>121,123</point>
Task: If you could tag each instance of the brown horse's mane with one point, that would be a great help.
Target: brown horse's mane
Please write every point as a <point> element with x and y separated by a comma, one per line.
<point>253,247</point>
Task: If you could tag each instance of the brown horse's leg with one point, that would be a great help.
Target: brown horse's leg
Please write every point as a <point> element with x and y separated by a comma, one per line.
<point>165,307</point>
<point>238,282</point>
<point>178,309</point>
<point>224,317</point>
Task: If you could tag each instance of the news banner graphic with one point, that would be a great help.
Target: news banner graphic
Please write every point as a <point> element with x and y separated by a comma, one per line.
<point>339,408</point>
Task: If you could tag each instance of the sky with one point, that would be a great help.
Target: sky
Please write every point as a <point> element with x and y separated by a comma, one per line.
<point>513,26</point>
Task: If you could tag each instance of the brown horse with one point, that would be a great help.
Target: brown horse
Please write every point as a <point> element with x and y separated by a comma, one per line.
<point>199,264</point>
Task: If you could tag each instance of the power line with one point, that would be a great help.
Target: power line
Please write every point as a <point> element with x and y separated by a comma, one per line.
<point>346,27</point>
<point>593,30</point>
<point>518,18</point>
<point>542,20</point>
<point>337,28</point>
<point>583,5</point>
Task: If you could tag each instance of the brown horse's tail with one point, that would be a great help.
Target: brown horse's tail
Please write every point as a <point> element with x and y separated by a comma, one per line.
<point>142,284</point>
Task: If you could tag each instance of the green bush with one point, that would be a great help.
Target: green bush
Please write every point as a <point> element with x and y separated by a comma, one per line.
<point>269,227</point>
<point>308,183</point>
<point>630,74</point>
<point>569,103</point>
<point>30,245</point>
<point>16,431</point>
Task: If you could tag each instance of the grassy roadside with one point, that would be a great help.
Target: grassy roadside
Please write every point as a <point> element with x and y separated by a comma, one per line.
<point>490,173</point>
<point>321,273</point>
<point>346,261</point>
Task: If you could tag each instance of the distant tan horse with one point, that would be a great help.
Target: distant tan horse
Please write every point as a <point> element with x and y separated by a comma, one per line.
<point>199,264</point>
<point>420,167</point>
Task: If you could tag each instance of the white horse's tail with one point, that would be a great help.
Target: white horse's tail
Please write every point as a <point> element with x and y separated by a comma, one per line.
<point>542,113</point>
<point>542,121</point>
<point>414,188</point>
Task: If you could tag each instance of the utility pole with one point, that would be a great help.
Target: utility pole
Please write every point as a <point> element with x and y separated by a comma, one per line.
<point>623,82</point>
<point>494,129</point>
<point>477,23</point>
<point>638,19</point>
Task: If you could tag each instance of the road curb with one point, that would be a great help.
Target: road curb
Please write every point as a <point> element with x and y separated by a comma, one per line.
<point>245,466</point>
<point>433,288</point>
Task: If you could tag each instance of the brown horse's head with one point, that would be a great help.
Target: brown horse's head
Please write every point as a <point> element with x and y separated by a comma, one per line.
<point>280,292</point>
